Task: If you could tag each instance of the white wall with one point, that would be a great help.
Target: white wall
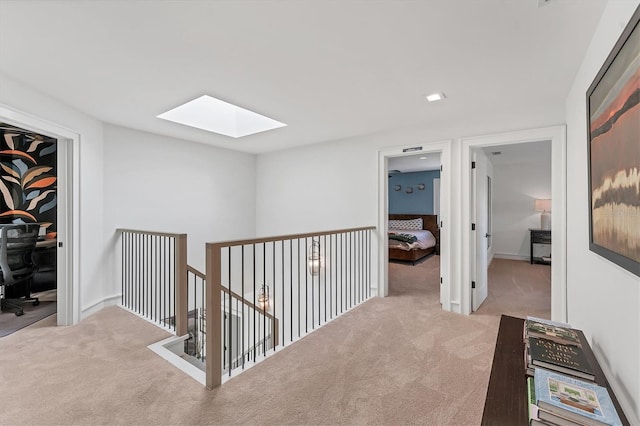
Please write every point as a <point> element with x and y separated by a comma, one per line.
<point>603,299</point>
<point>158,183</point>
<point>316,188</point>
<point>334,185</point>
<point>516,186</point>
<point>138,180</point>
<point>18,97</point>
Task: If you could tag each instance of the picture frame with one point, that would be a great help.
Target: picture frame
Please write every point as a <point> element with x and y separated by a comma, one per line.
<point>613,135</point>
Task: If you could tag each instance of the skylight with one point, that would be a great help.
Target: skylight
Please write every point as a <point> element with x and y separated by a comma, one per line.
<point>434,97</point>
<point>214,115</point>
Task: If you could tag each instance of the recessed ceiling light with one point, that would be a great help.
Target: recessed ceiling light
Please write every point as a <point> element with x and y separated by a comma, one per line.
<point>422,158</point>
<point>214,115</point>
<point>438,96</point>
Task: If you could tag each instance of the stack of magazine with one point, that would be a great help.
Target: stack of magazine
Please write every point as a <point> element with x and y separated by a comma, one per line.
<point>555,346</point>
<point>560,379</point>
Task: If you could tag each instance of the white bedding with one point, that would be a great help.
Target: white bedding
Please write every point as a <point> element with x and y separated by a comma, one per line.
<point>425,239</point>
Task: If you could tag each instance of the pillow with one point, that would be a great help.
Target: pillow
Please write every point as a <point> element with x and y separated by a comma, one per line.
<point>406,224</point>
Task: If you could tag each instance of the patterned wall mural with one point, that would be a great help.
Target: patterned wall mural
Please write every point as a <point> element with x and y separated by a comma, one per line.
<point>28,182</point>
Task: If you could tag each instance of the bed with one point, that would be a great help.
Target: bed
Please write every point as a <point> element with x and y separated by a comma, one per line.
<point>401,247</point>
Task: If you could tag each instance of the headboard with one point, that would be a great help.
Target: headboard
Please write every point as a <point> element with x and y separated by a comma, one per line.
<point>429,221</point>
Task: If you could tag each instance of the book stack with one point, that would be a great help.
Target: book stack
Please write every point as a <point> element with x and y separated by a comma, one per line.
<point>556,399</point>
<point>554,346</point>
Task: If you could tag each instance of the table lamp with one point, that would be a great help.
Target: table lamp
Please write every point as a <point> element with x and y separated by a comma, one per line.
<point>544,206</point>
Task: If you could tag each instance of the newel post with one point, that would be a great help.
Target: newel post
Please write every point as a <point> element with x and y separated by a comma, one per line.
<point>182,294</point>
<point>213,319</point>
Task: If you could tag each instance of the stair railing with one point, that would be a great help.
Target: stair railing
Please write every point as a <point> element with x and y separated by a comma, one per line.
<point>153,268</point>
<point>293,284</point>
<point>197,291</point>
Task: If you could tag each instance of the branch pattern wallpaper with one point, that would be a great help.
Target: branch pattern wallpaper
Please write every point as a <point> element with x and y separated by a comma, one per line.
<point>28,178</point>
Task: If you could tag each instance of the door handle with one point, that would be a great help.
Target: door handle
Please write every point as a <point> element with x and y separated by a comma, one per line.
<point>487,235</point>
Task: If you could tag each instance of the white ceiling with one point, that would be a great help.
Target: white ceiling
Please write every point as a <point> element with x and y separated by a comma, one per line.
<point>328,69</point>
<point>413,163</point>
<point>531,152</point>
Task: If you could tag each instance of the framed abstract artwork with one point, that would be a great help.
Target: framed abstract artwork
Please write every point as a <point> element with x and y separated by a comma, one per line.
<point>613,119</point>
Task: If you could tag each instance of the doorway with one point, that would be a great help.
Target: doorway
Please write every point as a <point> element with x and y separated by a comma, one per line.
<point>555,138</point>
<point>67,225</point>
<point>28,185</point>
<point>521,174</point>
<point>443,149</point>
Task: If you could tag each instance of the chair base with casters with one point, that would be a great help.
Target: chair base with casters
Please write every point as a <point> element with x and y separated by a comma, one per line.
<point>15,304</point>
<point>17,266</point>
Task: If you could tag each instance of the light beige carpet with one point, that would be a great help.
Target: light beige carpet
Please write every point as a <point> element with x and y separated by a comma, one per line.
<point>394,360</point>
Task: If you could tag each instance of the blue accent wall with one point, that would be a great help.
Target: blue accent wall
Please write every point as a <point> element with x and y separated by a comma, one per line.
<point>418,202</point>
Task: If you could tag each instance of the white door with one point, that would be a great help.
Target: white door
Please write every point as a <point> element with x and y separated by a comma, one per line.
<point>65,291</point>
<point>479,209</point>
<point>436,197</point>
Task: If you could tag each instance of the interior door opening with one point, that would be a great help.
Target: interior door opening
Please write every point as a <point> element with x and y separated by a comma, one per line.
<point>64,241</point>
<point>505,184</point>
<point>414,186</point>
<point>28,184</point>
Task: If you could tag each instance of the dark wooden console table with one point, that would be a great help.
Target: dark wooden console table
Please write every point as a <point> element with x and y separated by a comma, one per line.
<point>506,402</point>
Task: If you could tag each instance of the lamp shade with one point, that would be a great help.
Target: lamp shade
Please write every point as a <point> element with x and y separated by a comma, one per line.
<point>543,205</point>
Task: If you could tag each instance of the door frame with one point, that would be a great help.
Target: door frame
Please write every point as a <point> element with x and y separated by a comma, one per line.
<point>557,136</point>
<point>444,148</point>
<point>68,270</point>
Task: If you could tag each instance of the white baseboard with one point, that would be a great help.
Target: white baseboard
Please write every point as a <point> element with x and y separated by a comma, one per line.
<point>107,301</point>
<point>510,256</point>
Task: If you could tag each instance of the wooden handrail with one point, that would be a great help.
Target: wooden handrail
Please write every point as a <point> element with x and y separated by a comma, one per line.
<point>244,302</point>
<point>234,294</point>
<point>288,237</point>
<point>195,272</point>
<point>160,234</point>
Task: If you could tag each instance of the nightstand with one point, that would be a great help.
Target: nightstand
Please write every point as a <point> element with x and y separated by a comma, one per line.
<point>540,236</point>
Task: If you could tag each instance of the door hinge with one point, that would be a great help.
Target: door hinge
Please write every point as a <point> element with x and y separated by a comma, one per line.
<point>473,284</point>
<point>441,224</point>
<point>473,226</point>
<point>440,280</point>
<point>473,164</point>
<point>440,167</point>
<point>60,244</point>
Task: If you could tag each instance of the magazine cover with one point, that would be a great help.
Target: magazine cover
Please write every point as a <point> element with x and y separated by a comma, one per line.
<point>548,322</point>
<point>552,332</point>
<point>574,398</point>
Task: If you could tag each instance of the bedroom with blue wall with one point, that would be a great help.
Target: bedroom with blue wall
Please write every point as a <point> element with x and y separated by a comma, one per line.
<point>405,195</point>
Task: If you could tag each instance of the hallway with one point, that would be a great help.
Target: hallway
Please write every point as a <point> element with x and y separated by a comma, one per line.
<point>393,360</point>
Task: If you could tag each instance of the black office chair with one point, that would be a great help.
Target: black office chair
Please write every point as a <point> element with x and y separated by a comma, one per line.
<point>17,245</point>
